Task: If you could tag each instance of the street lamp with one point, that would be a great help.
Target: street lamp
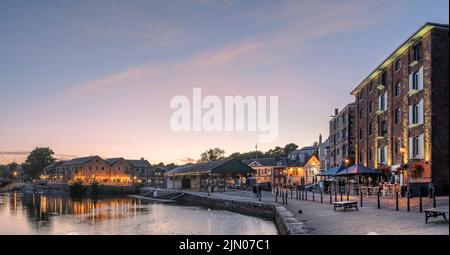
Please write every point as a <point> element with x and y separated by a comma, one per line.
<point>347,161</point>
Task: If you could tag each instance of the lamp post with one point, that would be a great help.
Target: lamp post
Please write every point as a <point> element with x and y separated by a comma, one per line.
<point>347,161</point>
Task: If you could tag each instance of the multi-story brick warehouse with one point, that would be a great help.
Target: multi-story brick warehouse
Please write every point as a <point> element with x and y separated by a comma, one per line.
<point>342,135</point>
<point>402,112</point>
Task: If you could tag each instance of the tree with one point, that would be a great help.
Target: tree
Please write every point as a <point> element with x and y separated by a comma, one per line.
<point>290,147</point>
<point>37,160</point>
<point>212,154</point>
<point>316,144</point>
<point>275,153</point>
<point>247,155</point>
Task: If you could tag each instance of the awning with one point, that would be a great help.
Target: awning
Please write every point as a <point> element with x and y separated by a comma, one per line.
<point>331,171</point>
<point>358,170</point>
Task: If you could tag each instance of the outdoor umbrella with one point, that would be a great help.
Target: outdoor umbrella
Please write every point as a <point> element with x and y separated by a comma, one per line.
<point>358,170</point>
<point>331,171</point>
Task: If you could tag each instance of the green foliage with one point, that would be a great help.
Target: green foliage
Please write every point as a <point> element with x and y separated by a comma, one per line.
<point>77,189</point>
<point>37,160</point>
<point>212,154</point>
<point>288,148</point>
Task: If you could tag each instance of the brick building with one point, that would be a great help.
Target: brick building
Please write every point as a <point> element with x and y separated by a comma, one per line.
<point>402,112</point>
<point>342,135</point>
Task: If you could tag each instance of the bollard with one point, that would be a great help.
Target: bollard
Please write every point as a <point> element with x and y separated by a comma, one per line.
<point>331,196</point>
<point>407,201</point>
<point>306,195</point>
<point>361,198</point>
<point>286,197</point>
<point>396,201</point>
<point>434,199</point>
<point>335,195</point>
<point>321,196</point>
<point>313,196</point>
<point>348,194</point>
<point>378,200</point>
<point>341,195</point>
<point>276,195</point>
<point>296,194</point>
<point>291,193</point>
<point>420,202</point>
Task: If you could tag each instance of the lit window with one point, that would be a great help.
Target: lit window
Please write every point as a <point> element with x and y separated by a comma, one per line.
<point>415,114</point>
<point>416,146</point>
<point>397,116</point>
<point>398,89</point>
<point>415,84</point>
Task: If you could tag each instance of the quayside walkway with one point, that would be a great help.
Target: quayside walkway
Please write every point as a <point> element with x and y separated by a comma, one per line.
<point>320,218</point>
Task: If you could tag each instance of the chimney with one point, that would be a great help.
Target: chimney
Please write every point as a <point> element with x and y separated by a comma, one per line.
<point>336,111</point>
<point>320,139</point>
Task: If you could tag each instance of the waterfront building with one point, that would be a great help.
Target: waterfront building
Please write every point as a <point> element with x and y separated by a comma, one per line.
<point>113,171</point>
<point>217,174</point>
<point>324,154</point>
<point>302,154</point>
<point>267,170</point>
<point>303,172</point>
<point>141,170</point>
<point>342,135</point>
<point>156,178</point>
<point>402,112</point>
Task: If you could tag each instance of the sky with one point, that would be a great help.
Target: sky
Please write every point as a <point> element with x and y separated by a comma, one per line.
<point>95,77</point>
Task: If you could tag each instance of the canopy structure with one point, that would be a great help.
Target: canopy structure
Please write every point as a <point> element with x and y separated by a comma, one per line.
<point>331,171</point>
<point>357,169</point>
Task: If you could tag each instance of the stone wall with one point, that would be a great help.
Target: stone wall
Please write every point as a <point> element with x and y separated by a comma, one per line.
<point>283,219</point>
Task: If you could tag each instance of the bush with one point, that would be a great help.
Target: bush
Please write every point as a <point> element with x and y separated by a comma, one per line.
<point>77,189</point>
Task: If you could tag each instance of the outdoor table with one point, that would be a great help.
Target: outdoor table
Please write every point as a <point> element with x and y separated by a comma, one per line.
<point>345,205</point>
<point>435,212</point>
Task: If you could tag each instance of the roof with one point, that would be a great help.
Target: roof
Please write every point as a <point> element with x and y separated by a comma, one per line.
<point>331,171</point>
<point>112,161</point>
<point>261,161</point>
<point>55,164</point>
<point>139,163</point>
<point>216,166</point>
<point>79,161</point>
<point>357,169</point>
<point>419,33</point>
<point>296,163</point>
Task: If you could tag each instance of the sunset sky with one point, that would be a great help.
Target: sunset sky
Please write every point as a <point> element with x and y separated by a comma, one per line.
<point>96,77</point>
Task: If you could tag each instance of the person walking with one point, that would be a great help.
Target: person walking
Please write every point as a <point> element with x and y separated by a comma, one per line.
<point>259,191</point>
<point>254,190</point>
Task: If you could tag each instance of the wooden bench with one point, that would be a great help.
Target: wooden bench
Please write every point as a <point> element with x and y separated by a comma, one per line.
<point>346,204</point>
<point>435,212</point>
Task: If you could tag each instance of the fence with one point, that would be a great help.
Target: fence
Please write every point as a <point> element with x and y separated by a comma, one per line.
<point>394,201</point>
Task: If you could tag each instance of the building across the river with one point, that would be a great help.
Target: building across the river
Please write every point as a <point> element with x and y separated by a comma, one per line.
<point>218,174</point>
<point>115,171</point>
<point>402,112</point>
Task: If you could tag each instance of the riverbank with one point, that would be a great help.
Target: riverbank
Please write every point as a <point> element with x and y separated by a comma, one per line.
<point>284,219</point>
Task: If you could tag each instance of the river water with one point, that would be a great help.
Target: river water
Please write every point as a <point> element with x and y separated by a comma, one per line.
<point>42,214</point>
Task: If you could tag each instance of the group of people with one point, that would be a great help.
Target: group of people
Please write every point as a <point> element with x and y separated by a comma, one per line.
<point>257,191</point>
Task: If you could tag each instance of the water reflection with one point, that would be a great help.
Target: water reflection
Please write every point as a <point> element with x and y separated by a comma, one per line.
<point>42,214</point>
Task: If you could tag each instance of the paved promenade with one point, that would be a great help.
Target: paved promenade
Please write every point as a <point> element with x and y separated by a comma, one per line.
<point>321,219</point>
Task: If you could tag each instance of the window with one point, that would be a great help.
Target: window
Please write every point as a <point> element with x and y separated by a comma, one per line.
<point>416,147</point>
<point>370,128</point>
<point>382,101</point>
<point>370,87</point>
<point>370,106</point>
<point>417,52</point>
<point>371,153</point>
<point>415,81</point>
<point>103,168</point>
<point>398,145</point>
<point>361,157</point>
<point>398,64</point>
<point>361,113</point>
<point>397,116</point>
<point>361,133</point>
<point>383,128</point>
<point>384,78</point>
<point>382,155</point>
<point>398,89</point>
<point>415,114</point>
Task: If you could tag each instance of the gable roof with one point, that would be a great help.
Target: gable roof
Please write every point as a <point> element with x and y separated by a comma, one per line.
<point>261,161</point>
<point>217,166</point>
<point>80,161</point>
<point>139,163</point>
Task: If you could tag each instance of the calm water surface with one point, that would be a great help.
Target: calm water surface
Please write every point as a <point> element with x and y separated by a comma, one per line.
<point>41,214</point>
